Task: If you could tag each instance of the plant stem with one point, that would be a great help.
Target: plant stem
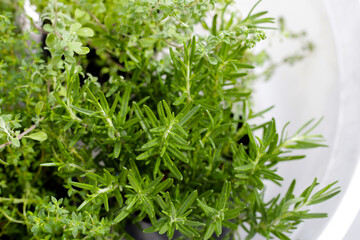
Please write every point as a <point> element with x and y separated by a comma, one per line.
<point>23,133</point>
<point>10,218</point>
<point>15,200</point>
<point>188,81</point>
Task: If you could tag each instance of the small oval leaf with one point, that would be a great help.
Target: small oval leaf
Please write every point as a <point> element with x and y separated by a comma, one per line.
<point>39,136</point>
<point>85,32</point>
<point>38,107</point>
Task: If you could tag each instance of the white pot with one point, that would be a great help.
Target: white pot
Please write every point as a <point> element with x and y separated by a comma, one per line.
<point>325,84</point>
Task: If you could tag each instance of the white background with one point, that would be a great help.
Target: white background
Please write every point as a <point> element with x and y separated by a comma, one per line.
<point>324,84</point>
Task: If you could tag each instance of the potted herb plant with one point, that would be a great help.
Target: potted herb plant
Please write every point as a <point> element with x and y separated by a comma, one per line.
<point>125,116</point>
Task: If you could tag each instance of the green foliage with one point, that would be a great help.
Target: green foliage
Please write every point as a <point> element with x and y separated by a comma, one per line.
<point>128,115</point>
<point>50,220</point>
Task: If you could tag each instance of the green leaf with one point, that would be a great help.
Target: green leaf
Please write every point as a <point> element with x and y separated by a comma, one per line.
<point>146,154</point>
<point>193,49</point>
<point>207,210</point>
<point>70,59</point>
<point>83,185</point>
<point>172,167</point>
<point>156,169</point>
<point>324,194</point>
<point>84,203</point>
<point>119,197</point>
<point>181,130</point>
<point>147,42</point>
<point>114,105</point>
<point>150,229</point>
<point>290,191</point>
<point>280,235</point>
<point>134,171</point>
<point>151,143</point>
<point>144,124</point>
<point>150,114</point>
<point>158,129</point>
<point>214,25</point>
<point>53,199</point>
<point>161,202</point>
<point>83,51</point>
<point>109,22</point>
<point>124,104</point>
<point>3,162</point>
<point>15,142</point>
<point>242,65</point>
<point>48,27</point>
<point>48,228</point>
<point>153,184</point>
<point>176,153</point>
<point>75,46</point>
<point>85,32</point>
<point>50,164</point>
<point>162,186</point>
<point>39,136</point>
<point>242,176</point>
<point>96,177</point>
<point>188,231</point>
<point>108,177</point>
<point>117,149</point>
<point>178,140</point>
<point>314,215</point>
<point>253,146</point>
<point>132,56</point>
<point>51,40</point>
<point>148,206</point>
<point>230,225</point>
<point>106,202</point>
<point>174,58</point>
<point>304,145</point>
<point>2,123</point>
<point>233,213</point>
<point>237,75</point>
<point>292,201</point>
<point>209,231</point>
<point>136,185</point>
<point>35,229</point>
<point>269,174</point>
<point>244,168</point>
<point>188,115</point>
<point>74,27</point>
<point>307,192</point>
<point>187,203</point>
<point>124,212</point>
<point>103,102</point>
<point>79,14</point>
<point>74,231</point>
<point>224,196</point>
<point>212,60</point>
<point>83,111</point>
<point>167,110</point>
<point>261,205</point>
<point>194,223</point>
<point>218,228</point>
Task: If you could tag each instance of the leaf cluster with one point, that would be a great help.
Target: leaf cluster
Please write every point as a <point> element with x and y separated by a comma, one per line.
<point>128,115</point>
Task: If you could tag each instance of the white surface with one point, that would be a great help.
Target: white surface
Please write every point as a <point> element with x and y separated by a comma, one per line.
<point>346,212</point>
<point>345,21</point>
<point>325,84</point>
